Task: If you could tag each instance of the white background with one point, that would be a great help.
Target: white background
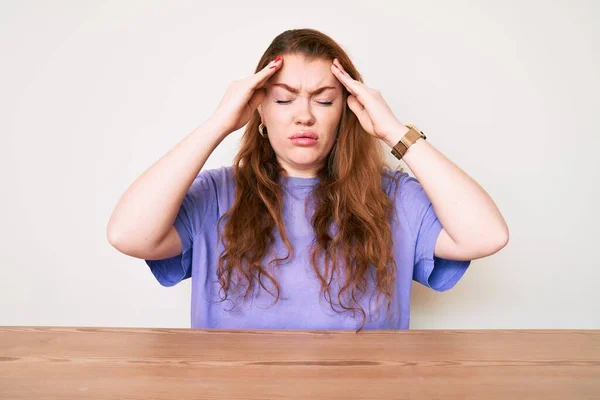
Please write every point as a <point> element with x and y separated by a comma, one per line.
<point>93,93</point>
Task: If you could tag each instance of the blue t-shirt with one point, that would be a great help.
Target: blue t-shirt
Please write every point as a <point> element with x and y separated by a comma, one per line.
<point>300,305</point>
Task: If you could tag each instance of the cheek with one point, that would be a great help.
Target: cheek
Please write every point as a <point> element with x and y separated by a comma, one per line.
<point>332,117</point>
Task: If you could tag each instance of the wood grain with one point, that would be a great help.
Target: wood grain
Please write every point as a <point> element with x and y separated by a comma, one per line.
<point>140,363</point>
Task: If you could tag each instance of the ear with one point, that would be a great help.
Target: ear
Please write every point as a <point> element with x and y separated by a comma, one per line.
<point>259,108</point>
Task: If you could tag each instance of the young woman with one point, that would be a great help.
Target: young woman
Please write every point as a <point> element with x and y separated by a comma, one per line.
<point>309,228</point>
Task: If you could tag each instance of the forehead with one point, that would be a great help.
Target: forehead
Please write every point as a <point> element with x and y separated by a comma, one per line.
<point>306,74</point>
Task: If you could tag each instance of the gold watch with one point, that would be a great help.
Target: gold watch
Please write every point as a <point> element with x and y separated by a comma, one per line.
<point>414,134</point>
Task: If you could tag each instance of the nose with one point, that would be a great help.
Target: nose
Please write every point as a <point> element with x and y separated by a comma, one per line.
<point>303,113</point>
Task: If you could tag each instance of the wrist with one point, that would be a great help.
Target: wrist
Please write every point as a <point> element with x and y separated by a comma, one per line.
<point>394,137</point>
<point>215,128</point>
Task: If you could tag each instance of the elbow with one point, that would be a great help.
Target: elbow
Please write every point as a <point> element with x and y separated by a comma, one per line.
<point>125,243</point>
<point>113,236</point>
<point>117,240</point>
<point>486,245</point>
<point>501,240</point>
<point>506,240</point>
<point>504,236</point>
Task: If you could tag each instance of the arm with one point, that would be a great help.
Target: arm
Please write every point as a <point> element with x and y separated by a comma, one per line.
<point>473,227</point>
<point>136,226</point>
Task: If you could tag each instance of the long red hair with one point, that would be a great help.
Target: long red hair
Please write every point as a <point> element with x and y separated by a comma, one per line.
<point>349,194</point>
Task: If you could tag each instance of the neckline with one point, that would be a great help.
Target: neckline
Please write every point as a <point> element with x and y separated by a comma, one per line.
<point>298,181</point>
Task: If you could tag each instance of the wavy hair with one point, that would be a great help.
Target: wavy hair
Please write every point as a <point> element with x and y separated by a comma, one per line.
<point>348,194</point>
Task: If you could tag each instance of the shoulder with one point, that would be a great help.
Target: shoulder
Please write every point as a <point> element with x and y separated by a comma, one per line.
<point>221,182</point>
<point>392,180</point>
<point>211,183</point>
<point>218,177</point>
<point>407,193</point>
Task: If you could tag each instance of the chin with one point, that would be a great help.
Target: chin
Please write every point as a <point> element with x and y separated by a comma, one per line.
<point>303,154</point>
<point>304,160</point>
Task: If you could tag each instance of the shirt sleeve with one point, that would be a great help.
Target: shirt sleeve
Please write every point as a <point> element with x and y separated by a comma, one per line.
<point>437,273</point>
<point>188,222</point>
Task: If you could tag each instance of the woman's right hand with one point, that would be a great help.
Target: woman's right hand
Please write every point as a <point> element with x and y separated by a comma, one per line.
<point>242,97</point>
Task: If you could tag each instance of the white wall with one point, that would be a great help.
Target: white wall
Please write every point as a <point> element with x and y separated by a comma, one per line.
<point>92,94</point>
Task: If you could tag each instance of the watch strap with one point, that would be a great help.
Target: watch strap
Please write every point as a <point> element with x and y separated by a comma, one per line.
<point>413,134</point>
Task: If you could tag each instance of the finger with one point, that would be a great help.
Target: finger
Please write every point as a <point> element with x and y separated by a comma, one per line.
<point>360,92</point>
<point>257,97</point>
<point>353,86</point>
<point>355,105</point>
<point>262,76</point>
<point>357,108</point>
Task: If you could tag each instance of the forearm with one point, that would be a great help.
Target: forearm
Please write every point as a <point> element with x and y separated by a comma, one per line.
<point>147,209</point>
<point>464,208</point>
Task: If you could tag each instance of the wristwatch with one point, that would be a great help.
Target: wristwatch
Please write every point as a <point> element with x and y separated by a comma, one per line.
<point>407,140</point>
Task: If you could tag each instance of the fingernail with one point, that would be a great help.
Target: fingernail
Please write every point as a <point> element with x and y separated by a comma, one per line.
<point>275,61</point>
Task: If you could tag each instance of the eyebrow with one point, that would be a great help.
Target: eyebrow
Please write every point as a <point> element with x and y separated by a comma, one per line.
<point>294,90</point>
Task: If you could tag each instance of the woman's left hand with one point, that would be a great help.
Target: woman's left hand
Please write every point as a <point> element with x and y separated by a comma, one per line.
<point>368,104</point>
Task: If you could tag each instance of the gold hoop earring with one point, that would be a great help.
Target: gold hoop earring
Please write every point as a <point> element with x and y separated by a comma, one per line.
<point>261,128</point>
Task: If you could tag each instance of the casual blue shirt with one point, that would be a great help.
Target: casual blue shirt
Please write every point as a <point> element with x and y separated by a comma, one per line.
<point>300,305</point>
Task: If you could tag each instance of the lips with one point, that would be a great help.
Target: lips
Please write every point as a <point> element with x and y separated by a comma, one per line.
<point>305,134</point>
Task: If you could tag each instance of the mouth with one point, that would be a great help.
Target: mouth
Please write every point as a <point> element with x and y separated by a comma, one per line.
<point>304,138</point>
<point>305,134</point>
<point>304,141</point>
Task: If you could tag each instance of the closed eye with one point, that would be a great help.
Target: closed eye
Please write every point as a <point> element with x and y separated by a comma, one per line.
<point>325,103</point>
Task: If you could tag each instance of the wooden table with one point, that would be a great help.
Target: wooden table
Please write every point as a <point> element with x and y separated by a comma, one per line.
<point>136,363</point>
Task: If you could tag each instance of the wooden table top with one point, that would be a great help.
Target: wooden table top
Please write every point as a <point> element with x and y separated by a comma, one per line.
<point>140,363</point>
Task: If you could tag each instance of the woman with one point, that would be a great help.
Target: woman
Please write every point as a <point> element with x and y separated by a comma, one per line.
<point>309,229</point>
